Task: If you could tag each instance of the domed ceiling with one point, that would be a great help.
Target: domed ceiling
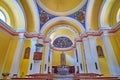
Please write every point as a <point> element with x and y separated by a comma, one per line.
<point>61,7</point>
<point>62,12</point>
<point>40,16</point>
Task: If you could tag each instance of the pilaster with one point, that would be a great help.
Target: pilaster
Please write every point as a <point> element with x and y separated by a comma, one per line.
<point>112,62</point>
<point>80,62</point>
<point>89,62</point>
<point>46,57</point>
<point>31,62</point>
<point>94,55</point>
<point>75,60</point>
<point>17,56</point>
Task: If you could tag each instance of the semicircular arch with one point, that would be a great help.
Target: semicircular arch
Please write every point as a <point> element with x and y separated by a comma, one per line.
<point>70,21</point>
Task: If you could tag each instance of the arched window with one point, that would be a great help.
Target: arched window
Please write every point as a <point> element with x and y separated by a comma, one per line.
<point>2,16</point>
<point>27,53</point>
<point>99,51</point>
<point>96,66</point>
<point>118,16</point>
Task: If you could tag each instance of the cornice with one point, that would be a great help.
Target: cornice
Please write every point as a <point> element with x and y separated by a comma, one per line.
<point>63,49</point>
<point>11,31</point>
<point>7,28</point>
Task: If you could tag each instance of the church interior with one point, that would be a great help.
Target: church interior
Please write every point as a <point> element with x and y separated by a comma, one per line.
<point>60,38</point>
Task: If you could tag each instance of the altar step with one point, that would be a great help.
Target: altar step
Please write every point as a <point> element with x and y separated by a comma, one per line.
<point>63,77</point>
<point>84,76</point>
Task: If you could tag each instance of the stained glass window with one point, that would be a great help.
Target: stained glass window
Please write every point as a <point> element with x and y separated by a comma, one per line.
<point>2,16</point>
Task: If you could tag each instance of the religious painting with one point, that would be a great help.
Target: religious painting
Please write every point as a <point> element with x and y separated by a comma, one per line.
<point>63,59</point>
<point>80,16</point>
<point>27,53</point>
<point>62,42</point>
<point>43,17</point>
<point>37,56</point>
<point>100,51</point>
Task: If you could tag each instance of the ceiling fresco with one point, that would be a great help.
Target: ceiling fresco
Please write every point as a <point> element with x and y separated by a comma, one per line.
<point>62,42</point>
<point>79,15</point>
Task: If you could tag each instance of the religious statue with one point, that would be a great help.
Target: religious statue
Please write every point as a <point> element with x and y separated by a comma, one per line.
<point>27,53</point>
<point>63,69</point>
<point>63,59</point>
<point>100,51</point>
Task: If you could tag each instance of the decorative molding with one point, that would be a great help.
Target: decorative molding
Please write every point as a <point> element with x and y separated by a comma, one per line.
<point>7,28</point>
<point>30,35</point>
<point>57,19</point>
<point>83,2</point>
<point>11,31</point>
<point>68,27</point>
<point>63,49</point>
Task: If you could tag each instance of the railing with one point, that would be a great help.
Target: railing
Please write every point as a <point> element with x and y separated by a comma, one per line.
<point>92,76</point>
<point>36,77</point>
<point>78,76</point>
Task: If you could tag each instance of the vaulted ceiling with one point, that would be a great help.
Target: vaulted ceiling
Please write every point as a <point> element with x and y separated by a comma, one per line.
<point>24,15</point>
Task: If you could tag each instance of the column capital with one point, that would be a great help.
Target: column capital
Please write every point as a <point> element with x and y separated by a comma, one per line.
<point>105,34</point>
<point>40,42</point>
<point>47,40</point>
<point>84,39</point>
<point>90,37</point>
<point>78,40</point>
<point>21,36</point>
<point>105,28</point>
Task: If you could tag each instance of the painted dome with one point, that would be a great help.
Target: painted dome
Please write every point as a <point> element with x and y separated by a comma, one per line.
<point>61,7</point>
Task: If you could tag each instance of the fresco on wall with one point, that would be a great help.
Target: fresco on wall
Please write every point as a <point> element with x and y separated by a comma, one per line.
<point>62,42</point>
<point>80,16</point>
<point>43,17</point>
<point>100,51</point>
<point>27,53</point>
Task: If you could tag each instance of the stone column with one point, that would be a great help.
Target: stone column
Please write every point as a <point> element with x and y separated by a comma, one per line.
<point>89,62</point>
<point>33,49</point>
<point>79,52</point>
<point>37,63</point>
<point>17,56</point>
<point>84,66</point>
<point>40,41</point>
<point>46,57</point>
<point>75,61</point>
<point>112,62</point>
<point>4,62</point>
<point>94,55</point>
<point>50,62</point>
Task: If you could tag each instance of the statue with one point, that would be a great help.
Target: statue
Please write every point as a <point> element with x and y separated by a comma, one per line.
<point>63,69</point>
<point>63,59</point>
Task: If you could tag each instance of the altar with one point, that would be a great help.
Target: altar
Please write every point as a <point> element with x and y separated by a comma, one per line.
<point>63,70</point>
